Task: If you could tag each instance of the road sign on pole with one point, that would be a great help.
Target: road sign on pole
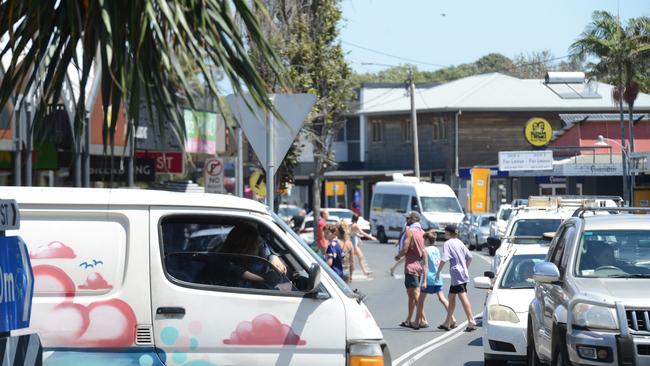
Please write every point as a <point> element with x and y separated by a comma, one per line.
<point>270,138</point>
<point>213,171</point>
<point>9,215</point>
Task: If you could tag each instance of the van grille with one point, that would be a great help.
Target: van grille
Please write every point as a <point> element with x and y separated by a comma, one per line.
<point>638,320</point>
<point>144,335</point>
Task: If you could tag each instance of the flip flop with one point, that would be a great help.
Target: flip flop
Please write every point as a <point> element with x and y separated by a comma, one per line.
<point>405,324</point>
<point>470,329</point>
<point>453,325</point>
<point>444,327</point>
<point>424,326</point>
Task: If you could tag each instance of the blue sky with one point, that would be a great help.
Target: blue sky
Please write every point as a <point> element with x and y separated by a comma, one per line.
<point>461,31</point>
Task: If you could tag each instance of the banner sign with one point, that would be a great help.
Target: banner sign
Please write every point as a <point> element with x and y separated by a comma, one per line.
<point>100,169</point>
<point>16,284</point>
<point>525,160</point>
<point>480,189</point>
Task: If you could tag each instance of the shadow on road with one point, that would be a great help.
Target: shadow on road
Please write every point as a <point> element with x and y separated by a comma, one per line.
<point>473,363</point>
<point>478,342</point>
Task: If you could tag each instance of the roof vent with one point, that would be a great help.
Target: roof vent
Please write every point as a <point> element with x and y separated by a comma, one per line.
<point>400,178</point>
<point>556,77</point>
<point>143,335</point>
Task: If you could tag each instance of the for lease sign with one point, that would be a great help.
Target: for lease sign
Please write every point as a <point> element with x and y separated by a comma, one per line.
<point>525,160</point>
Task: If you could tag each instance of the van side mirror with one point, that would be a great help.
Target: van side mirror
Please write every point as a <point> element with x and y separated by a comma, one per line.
<point>546,272</point>
<point>482,283</point>
<point>314,277</point>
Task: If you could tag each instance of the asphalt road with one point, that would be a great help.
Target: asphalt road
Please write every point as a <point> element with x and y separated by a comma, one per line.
<point>386,298</point>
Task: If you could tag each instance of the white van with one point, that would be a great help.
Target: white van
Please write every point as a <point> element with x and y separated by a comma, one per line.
<point>131,277</point>
<point>436,202</point>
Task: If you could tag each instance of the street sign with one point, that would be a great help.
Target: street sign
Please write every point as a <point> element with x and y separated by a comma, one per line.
<point>166,162</point>
<point>100,169</point>
<point>256,182</point>
<point>9,215</point>
<point>525,160</point>
<point>16,284</point>
<point>213,173</point>
<point>538,132</point>
<point>294,108</point>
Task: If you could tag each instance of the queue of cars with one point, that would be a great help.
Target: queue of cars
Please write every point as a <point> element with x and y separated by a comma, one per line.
<point>576,295</point>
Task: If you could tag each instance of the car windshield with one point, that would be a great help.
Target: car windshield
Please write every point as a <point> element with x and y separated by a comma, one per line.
<point>485,221</point>
<point>288,211</point>
<point>505,214</point>
<point>440,204</point>
<point>342,214</point>
<point>519,272</point>
<point>614,253</point>
<point>531,231</point>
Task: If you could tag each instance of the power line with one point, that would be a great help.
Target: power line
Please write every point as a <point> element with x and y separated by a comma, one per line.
<point>393,56</point>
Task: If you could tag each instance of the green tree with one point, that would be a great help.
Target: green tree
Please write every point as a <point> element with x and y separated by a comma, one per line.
<point>144,47</point>
<point>621,54</point>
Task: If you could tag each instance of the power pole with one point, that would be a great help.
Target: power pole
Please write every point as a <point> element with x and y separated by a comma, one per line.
<point>414,122</point>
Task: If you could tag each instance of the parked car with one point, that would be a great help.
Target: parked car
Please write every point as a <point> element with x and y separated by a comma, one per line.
<point>506,306</point>
<point>479,231</point>
<point>288,212</point>
<point>591,295</point>
<point>345,214</point>
<point>115,283</point>
<point>437,204</point>
<point>306,231</point>
<point>463,229</point>
<point>498,227</point>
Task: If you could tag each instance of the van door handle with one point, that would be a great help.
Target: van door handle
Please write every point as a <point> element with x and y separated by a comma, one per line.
<point>170,310</point>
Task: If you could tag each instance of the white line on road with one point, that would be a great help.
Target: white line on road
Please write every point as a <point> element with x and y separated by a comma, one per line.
<point>480,255</point>
<point>421,350</point>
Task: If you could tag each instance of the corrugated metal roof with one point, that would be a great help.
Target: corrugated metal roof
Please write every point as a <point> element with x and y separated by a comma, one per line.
<point>489,92</point>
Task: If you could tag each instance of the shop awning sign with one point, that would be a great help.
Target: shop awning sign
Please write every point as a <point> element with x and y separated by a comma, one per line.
<point>525,160</point>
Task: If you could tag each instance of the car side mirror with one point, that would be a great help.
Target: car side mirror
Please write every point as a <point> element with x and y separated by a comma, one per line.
<point>489,274</point>
<point>482,283</point>
<point>314,277</point>
<point>546,272</point>
<point>493,241</point>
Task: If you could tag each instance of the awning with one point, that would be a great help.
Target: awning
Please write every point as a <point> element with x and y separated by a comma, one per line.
<point>358,174</point>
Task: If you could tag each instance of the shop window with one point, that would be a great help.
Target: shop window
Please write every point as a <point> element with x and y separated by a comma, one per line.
<point>439,129</point>
<point>407,130</point>
<point>377,131</point>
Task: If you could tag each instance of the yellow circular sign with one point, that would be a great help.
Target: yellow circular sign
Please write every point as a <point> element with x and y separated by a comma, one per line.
<point>256,181</point>
<point>538,131</point>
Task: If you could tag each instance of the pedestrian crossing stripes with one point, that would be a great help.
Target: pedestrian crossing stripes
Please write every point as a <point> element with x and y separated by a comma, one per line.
<point>21,350</point>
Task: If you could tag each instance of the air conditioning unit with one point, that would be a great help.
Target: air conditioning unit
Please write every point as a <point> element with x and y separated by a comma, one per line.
<point>400,178</point>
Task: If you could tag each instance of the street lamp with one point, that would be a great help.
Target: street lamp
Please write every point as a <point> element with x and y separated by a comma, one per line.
<point>601,141</point>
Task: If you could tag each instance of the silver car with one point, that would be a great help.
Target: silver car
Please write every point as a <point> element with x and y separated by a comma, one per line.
<point>592,295</point>
<point>480,230</point>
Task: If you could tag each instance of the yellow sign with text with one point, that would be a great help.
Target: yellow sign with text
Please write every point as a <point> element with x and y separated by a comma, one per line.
<point>538,132</point>
<point>335,188</point>
<point>480,200</point>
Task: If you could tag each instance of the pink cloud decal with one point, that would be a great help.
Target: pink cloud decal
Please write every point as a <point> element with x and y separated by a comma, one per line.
<point>107,323</point>
<point>264,330</point>
<point>95,281</point>
<point>54,249</point>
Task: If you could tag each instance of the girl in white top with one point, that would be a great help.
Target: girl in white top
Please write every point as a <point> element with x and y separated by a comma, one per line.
<point>355,236</point>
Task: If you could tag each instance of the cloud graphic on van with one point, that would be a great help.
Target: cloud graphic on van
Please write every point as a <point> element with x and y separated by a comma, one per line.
<point>54,249</point>
<point>95,281</point>
<point>264,330</point>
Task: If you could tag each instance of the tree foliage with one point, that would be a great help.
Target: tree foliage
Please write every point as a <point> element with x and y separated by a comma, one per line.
<point>145,48</point>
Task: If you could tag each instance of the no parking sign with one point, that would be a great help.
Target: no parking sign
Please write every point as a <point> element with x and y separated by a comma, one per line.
<point>213,172</point>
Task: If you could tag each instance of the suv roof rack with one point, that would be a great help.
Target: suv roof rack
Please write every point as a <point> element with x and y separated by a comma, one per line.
<point>568,201</point>
<point>580,211</point>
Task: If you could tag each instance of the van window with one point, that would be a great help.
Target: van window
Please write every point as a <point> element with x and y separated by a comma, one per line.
<point>395,202</point>
<point>440,204</point>
<point>228,252</point>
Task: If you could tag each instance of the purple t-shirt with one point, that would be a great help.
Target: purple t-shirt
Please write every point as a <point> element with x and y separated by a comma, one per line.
<point>456,253</point>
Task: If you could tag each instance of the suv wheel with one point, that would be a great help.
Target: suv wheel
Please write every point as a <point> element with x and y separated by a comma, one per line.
<point>381,235</point>
<point>560,355</point>
<point>532,357</point>
<point>487,362</point>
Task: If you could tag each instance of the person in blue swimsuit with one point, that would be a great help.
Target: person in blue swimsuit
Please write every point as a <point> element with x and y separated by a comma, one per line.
<point>334,251</point>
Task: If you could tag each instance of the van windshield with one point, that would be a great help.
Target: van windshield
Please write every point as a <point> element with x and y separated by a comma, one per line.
<point>440,204</point>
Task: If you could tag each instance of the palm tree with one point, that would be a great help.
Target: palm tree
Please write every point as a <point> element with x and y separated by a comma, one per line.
<point>621,54</point>
<point>146,48</point>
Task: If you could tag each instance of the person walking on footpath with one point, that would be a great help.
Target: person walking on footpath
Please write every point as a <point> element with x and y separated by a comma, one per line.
<point>459,258</point>
<point>355,237</point>
<point>414,253</point>
<point>429,283</point>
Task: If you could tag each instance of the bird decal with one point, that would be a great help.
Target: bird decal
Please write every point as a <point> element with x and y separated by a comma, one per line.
<point>86,265</point>
<point>96,262</point>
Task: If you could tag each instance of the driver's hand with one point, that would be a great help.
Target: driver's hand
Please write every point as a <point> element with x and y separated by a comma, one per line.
<point>278,264</point>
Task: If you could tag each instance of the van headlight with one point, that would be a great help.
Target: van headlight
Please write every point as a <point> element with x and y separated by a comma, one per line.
<point>365,354</point>
<point>594,316</point>
<point>502,313</point>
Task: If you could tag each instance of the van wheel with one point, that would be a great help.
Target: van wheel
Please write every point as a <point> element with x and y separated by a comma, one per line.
<point>381,235</point>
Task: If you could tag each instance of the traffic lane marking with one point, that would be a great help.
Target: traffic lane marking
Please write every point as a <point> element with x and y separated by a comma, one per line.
<point>421,350</point>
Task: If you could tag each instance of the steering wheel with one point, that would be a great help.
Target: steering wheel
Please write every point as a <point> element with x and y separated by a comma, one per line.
<point>602,268</point>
